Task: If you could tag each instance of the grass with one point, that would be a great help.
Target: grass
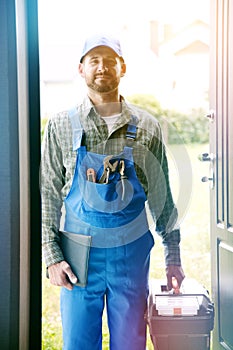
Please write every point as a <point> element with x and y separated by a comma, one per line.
<point>195,247</point>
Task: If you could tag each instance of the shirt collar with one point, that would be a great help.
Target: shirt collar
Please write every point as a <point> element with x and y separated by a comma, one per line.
<point>87,110</point>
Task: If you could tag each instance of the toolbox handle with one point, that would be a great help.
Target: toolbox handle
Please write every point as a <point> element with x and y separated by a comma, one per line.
<point>209,309</point>
<point>186,294</point>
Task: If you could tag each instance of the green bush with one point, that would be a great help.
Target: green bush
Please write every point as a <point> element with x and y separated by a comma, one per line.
<point>177,127</point>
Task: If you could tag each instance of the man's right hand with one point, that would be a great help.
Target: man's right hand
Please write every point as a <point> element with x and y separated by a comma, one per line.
<point>60,274</point>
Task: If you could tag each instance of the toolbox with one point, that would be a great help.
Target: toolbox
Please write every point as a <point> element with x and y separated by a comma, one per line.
<point>180,321</point>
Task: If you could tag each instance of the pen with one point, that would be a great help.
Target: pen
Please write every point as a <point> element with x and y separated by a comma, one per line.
<point>91,175</point>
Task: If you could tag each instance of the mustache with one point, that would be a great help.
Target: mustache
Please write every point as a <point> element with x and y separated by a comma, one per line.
<point>104,74</point>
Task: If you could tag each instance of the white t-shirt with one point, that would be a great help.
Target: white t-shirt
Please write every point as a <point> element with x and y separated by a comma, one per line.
<point>111,120</point>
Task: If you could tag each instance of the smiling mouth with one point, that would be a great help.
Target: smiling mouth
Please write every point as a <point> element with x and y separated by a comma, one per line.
<point>102,77</point>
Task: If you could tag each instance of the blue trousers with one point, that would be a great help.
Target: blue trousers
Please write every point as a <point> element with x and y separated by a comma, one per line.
<point>117,277</point>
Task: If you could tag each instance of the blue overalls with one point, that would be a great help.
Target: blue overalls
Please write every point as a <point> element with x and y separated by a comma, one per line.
<point>113,213</point>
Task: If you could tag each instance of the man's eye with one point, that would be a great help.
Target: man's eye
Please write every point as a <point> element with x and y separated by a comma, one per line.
<point>111,62</point>
<point>95,61</point>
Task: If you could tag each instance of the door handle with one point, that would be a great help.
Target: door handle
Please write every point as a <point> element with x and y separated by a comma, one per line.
<point>209,179</point>
<point>208,157</point>
<point>211,115</point>
<point>206,179</point>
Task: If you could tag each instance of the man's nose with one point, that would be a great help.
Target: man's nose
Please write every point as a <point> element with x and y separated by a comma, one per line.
<point>102,67</point>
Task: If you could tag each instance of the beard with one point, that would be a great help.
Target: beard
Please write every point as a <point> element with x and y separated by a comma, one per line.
<point>102,86</point>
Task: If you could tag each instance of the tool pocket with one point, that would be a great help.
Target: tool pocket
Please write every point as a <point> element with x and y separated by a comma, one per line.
<point>103,197</point>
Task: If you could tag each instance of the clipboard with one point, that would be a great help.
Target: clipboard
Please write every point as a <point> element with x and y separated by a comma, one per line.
<point>76,248</point>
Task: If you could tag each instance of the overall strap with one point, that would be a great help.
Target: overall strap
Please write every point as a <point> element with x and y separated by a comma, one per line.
<point>77,129</point>
<point>131,131</point>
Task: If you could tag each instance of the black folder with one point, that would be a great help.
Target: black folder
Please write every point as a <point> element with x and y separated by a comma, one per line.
<point>76,249</point>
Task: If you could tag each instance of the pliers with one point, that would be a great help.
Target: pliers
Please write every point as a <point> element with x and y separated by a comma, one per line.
<point>108,168</point>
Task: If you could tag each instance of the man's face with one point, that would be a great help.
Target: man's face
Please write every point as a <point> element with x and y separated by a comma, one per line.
<point>102,69</point>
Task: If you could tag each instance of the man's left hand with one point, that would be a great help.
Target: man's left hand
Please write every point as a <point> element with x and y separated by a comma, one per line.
<point>173,271</point>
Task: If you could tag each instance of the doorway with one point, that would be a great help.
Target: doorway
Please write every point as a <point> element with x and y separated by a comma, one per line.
<point>172,50</point>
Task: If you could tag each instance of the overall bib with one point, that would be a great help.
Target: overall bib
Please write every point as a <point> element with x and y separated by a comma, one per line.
<point>113,213</point>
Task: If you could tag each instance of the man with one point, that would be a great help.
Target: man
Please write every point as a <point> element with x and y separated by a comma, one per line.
<point>121,147</point>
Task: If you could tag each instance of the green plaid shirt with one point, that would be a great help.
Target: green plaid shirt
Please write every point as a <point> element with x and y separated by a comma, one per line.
<point>59,160</point>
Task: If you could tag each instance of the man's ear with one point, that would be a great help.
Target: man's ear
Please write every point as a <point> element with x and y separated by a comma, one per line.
<point>123,69</point>
<point>81,70</point>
